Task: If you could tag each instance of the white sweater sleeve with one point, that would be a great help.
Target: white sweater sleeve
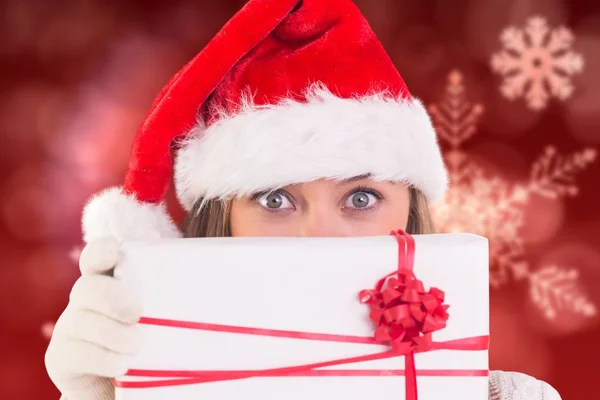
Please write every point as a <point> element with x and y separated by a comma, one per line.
<point>98,389</point>
<point>517,386</point>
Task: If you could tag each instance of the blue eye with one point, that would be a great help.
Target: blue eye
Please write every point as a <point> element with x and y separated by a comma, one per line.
<point>274,201</point>
<point>361,199</point>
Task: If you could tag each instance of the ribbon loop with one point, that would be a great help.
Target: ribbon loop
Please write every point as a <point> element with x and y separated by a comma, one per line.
<point>400,303</point>
<point>405,314</point>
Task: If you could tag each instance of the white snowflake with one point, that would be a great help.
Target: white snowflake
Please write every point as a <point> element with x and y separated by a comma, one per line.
<point>554,288</point>
<point>493,207</point>
<point>536,62</point>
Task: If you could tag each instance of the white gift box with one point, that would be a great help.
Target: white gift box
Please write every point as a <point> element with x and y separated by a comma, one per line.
<point>299,285</point>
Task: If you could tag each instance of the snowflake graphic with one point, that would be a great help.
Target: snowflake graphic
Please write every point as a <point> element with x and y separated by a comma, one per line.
<point>553,288</point>
<point>536,62</point>
<point>493,207</point>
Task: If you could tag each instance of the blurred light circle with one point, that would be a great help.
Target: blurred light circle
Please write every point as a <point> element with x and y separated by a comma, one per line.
<point>385,16</point>
<point>48,272</point>
<point>585,126</point>
<point>507,118</point>
<point>583,109</point>
<point>21,28</point>
<point>419,53</point>
<point>543,219</point>
<point>584,259</point>
<point>23,199</point>
<point>553,11</point>
<point>63,218</point>
<point>35,283</point>
<point>74,29</point>
<point>97,132</point>
<point>182,22</point>
<point>20,214</point>
<point>501,160</point>
<point>96,138</point>
<point>29,112</point>
<point>47,329</point>
<point>41,202</point>
<point>446,15</point>
<point>11,291</point>
<point>514,346</point>
<point>75,254</point>
<point>486,19</point>
<point>136,69</point>
<point>17,371</point>
<point>64,35</point>
<point>483,25</point>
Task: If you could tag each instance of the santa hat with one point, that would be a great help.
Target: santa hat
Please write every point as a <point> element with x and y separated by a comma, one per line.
<point>288,91</point>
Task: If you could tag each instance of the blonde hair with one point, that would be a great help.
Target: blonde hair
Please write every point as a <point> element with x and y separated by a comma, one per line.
<point>212,218</point>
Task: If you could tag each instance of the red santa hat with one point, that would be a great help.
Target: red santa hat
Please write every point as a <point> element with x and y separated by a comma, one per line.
<point>288,91</point>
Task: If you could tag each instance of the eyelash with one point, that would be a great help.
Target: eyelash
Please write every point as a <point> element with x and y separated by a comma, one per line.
<point>362,189</point>
<point>359,189</point>
<point>256,196</point>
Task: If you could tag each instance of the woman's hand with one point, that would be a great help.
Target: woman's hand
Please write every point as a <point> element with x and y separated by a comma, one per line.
<point>517,386</point>
<point>96,334</point>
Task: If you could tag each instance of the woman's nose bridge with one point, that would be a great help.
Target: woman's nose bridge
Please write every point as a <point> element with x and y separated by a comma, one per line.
<point>320,209</point>
<point>321,219</point>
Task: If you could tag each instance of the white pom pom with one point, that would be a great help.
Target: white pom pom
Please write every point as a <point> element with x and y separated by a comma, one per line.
<point>112,213</point>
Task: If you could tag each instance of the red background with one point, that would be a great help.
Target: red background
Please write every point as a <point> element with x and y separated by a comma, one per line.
<point>79,75</point>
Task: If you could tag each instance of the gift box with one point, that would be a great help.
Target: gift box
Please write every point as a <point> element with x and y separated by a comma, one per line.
<point>396,317</point>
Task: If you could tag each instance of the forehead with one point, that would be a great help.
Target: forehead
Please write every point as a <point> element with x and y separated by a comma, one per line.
<point>355,178</point>
<point>331,182</point>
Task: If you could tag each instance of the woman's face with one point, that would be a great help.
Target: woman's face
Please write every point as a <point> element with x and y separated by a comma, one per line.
<point>354,207</point>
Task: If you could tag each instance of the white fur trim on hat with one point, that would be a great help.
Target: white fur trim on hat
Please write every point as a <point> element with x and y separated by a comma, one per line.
<point>267,147</point>
<point>114,214</point>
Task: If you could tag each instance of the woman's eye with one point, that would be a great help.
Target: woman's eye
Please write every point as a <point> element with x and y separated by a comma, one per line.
<point>275,201</point>
<point>361,200</point>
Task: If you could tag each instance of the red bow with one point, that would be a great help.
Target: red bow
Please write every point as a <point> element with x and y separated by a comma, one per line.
<point>404,313</point>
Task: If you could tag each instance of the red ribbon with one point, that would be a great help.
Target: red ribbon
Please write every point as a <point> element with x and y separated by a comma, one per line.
<point>405,316</point>
<point>404,313</point>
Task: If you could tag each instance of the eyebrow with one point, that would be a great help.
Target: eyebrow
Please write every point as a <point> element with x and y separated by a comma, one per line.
<point>355,178</point>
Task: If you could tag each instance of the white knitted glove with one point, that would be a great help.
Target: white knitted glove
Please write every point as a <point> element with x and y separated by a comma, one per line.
<point>96,334</point>
<point>517,386</point>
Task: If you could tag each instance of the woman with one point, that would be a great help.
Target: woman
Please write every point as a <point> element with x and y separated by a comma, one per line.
<point>292,121</point>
